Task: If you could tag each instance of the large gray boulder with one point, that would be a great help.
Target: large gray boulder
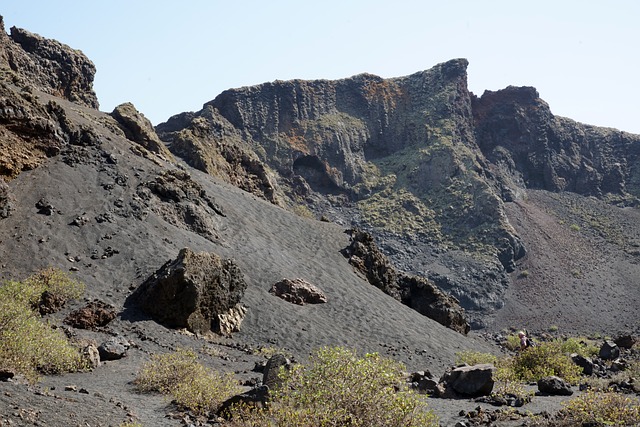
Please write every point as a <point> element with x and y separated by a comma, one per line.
<point>476,380</point>
<point>192,291</point>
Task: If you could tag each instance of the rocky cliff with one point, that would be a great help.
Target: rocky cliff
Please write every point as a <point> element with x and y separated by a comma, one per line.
<point>419,161</point>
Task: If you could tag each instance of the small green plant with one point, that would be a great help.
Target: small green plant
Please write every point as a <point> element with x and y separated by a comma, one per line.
<point>553,328</point>
<point>191,384</point>
<point>574,227</point>
<point>130,424</point>
<point>507,382</point>
<point>513,342</point>
<point>602,408</point>
<point>524,274</point>
<point>29,345</point>
<point>338,388</point>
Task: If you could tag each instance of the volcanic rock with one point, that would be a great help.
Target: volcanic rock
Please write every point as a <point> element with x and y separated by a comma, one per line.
<point>298,291</point>
<point>192,291</point>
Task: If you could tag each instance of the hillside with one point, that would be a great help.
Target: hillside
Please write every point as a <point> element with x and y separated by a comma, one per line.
<point>488,209</point>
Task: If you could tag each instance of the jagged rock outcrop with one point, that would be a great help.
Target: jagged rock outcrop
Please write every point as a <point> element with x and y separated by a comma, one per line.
<point>192,291</point>
<point>47,65</point>
<point>394,155</point>
<point>529,147</point>
<point>416,292</point>
<point>33,126</point>
<point>139,129</point>
<point>208,142</point>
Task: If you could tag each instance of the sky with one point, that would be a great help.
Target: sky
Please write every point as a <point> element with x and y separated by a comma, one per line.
<point>167,57</point>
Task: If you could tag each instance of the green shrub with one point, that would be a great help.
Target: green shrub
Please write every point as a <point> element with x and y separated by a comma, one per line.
<point>337,388</point>
<point>191,384</point>
<point>581,346</point>
<point>602,408</point>
<point>513,342</point>
<point>543,360</point>
<point>28,345</point>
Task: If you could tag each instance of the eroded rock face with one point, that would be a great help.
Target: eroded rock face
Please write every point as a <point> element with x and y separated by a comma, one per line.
<point>192,291</point>
<point>49,65</point>
<point>416,292</point>
<point>532,148</point>
<point>139,129</point>
<point>5,200</point>
<point>208,142</point>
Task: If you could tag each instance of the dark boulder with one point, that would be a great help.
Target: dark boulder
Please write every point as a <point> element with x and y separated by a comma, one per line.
<point>192,291</point>
<point>625,341</point>
<point>270,375</point>
<point>423,382</point>
<point>113,349</point>
<point>476,380</point>
<point>554,386</point>
<point>609,351</point>
<point>584,362</point>
<point>298,291</point>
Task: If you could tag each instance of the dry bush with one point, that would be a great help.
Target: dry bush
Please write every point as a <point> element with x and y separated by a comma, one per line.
<point>29,345</point>
<point>190,384</point>
<point>337,388</point>
<point>602,408</point>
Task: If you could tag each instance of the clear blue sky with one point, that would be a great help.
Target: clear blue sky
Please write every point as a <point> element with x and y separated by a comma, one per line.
<point>168,56</point>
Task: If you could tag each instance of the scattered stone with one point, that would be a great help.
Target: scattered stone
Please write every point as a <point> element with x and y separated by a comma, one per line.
<point>192,291</point>
<point>79,221</point>
<point>554,386</point>
<point>298,291</point>
<point>113,349</point>
<point>95,314</point>
<point>45,207</point>
<point>70,388</point>
<point>423,382</point>
<point>609,351</point>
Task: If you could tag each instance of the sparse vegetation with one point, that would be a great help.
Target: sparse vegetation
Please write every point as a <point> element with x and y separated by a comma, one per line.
<point>475,358</point>
<point>543,360</point>
<point>28,344</point>
<point>338,388</point>
<point>191,384</point>
<point>600,408</point>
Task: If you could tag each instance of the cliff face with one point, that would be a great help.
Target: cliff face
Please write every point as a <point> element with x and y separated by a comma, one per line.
<point>419,161</point>
<point>32,67</point>
<point>532,148</point>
